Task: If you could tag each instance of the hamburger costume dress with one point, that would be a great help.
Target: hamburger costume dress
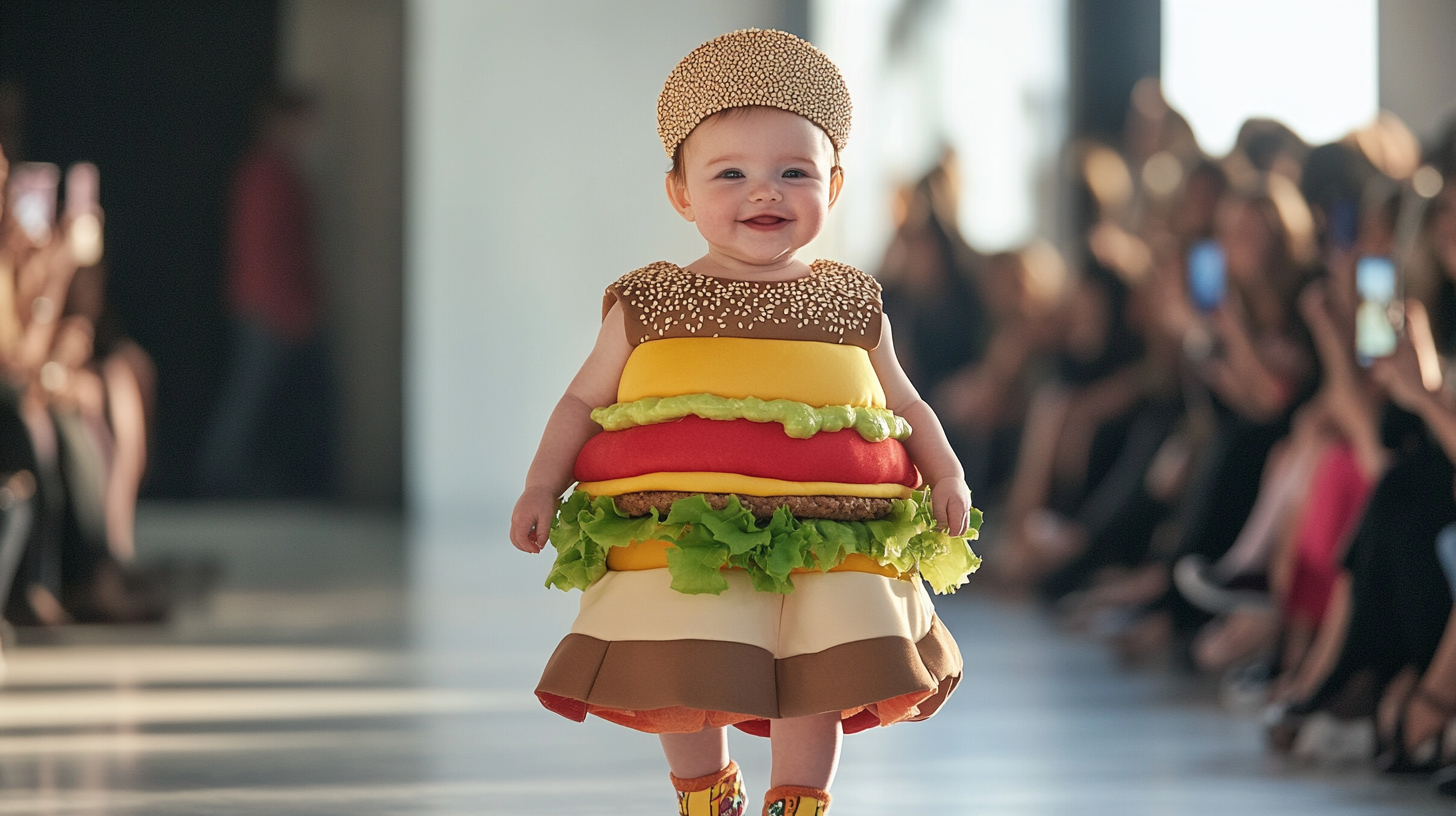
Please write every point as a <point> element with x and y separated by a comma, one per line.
<point>749,532</point>
<point>750,535</point>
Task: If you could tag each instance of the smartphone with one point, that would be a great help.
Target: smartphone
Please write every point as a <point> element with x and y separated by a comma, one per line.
<point>83,213</point>
<point>1344,223</point>
<point>33,198</point>
<point>83,190</point>
<point>1379,316</point>
<point>1207,275</point>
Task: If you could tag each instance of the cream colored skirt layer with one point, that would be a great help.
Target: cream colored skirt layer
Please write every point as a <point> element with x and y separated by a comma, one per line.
<point>843,641</point>
<point>823,611</point>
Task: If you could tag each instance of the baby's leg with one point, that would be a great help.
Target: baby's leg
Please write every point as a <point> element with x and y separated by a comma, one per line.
<point>694,755</point>
<point>805,757</point>
<point>707,782</point>
<point>805,750</point>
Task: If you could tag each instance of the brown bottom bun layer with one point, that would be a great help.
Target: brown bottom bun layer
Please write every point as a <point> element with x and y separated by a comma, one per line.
<point>837,508</point>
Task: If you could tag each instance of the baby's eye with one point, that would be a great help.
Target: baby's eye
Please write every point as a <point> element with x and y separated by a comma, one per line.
<point>731,174</point>
<point>795,174</point>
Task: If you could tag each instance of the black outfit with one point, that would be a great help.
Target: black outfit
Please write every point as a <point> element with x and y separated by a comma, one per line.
<point>44,550</point>
<point>66,542</point>
<point>1121,349</point>
<point>1118,515</point>
<point>1399,596</point>
<point>1400,599</point>
<point>1220,498</point>
<point>944,331</point>
<point>1223,491</point>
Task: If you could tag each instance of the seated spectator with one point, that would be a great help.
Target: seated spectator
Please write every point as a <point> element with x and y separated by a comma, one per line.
<point>1251,356</point>
<point>1316,482</point>
<point>75,423</point>
<point>1390,648</point>
<point>968,335</point>
<point>983,402</point>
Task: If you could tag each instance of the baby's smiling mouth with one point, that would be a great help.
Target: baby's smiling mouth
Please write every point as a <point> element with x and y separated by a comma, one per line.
<point>765,221</point>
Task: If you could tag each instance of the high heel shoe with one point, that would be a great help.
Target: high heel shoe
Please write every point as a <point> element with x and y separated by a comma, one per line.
<point>1428,757</point>
<point>1445,780</point>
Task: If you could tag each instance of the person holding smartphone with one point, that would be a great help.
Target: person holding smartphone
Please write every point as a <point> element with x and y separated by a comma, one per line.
<point>1233,312</point>
<point>1391,633</point>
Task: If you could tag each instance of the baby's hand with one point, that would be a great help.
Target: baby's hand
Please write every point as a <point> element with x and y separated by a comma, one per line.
<point>531,520</point>
<point>950,500</point>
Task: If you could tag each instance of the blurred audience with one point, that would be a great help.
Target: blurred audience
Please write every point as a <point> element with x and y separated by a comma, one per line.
<point>75,402</point>
<point>974,323</point>
<point>1223,433</point>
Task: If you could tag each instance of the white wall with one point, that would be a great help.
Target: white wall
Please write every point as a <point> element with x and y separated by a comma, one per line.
<point>1311,64</point>
<point>534,180</point>
<point>351,52</point>
<point>1417,63</point>
<point>987,77</point>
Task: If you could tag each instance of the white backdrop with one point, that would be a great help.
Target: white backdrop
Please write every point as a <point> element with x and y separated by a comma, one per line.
<point>534,180</point>
<point>987,77</point>
<point>1312,64</point>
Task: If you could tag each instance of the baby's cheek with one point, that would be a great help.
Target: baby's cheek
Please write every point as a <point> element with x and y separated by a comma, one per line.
<point>718,222</point>
<point>718,215</point>
<point>812,215</point>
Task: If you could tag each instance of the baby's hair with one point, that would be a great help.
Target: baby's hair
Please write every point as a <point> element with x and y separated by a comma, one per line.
<point>676,171</point>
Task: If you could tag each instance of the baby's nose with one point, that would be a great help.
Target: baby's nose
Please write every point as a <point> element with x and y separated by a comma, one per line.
<point>765,192</point>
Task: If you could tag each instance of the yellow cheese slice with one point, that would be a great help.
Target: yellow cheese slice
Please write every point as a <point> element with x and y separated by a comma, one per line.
<point>817,374</point>
<point>646,555</point>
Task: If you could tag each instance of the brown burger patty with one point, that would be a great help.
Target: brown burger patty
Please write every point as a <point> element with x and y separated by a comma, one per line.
<point>839,508</point>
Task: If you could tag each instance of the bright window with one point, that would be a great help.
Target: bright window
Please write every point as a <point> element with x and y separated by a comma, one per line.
<point>1311,64</point>
<point>987,77</point>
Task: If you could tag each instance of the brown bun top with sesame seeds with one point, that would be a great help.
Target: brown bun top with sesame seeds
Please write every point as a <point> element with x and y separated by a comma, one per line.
<point>835,303</point>
<point>753,67</point>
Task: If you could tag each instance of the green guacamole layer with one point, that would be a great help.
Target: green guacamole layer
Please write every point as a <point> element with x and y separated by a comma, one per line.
<point>800,421</point>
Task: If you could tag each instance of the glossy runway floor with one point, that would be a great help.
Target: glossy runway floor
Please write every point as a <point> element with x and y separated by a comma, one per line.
<point>325,674</point>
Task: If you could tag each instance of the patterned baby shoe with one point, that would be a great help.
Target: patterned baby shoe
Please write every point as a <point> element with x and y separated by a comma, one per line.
<point>791,800</point>
<point>717,794</point>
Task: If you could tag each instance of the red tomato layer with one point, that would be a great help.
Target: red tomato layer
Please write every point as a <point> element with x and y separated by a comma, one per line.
<point>748,448</point>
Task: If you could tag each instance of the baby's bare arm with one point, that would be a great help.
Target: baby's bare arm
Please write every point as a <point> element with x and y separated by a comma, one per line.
<point>569,427</point>
<point>928,447</point>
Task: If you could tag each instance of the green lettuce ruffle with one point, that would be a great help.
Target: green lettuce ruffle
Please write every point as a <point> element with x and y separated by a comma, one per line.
<point>707,540</point>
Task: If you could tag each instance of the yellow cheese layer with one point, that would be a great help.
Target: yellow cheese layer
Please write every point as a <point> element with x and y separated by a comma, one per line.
<point>646,555</point>
<point>704,482</point>
<point>813,373</point>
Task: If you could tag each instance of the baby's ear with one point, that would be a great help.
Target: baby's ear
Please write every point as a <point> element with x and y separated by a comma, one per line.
<point>677,194</point>
<point>836,183</point>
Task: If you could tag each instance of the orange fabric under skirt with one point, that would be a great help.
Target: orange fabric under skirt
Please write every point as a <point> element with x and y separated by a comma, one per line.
<point>679,720</point>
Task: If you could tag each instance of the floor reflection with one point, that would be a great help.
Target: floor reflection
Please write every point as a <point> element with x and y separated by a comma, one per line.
<point>327,674</point>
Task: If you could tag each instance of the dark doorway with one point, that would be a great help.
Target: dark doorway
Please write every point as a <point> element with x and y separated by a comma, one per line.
<point>1114,44</point>
<point>159,94</point>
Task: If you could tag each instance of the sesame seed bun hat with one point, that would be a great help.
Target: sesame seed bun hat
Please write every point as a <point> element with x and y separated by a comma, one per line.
<point>753,67</point>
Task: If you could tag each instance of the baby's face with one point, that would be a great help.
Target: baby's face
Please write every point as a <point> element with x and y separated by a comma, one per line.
<point>758,182</point>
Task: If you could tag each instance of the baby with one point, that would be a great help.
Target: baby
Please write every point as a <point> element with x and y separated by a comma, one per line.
<point>751,523</point>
